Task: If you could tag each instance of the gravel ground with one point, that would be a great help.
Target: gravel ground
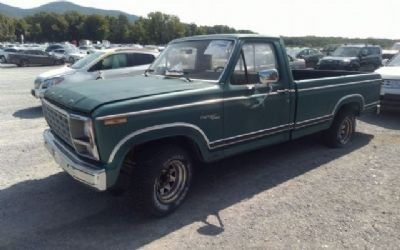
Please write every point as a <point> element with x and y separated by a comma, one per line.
<point>298,195</point>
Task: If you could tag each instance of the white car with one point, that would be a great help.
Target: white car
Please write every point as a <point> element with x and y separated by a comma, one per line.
<point>68,55</point>
<point>106,64</point>
<point>390,92</point>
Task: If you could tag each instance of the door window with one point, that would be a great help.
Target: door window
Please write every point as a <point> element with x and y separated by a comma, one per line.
<point>254,58</point>
<point>115,61</point>
<point>137,59</point>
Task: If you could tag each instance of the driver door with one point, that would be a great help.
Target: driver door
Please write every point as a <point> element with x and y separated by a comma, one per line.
<point>256,113</point>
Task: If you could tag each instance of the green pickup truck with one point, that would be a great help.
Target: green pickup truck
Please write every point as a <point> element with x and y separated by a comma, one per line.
<point>203,99</point>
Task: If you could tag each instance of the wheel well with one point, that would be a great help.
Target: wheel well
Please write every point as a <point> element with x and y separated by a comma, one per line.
<point>186,143</point>
<point>352,106</point>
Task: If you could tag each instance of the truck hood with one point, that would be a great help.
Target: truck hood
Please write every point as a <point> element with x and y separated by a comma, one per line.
<point>389,72</point>
<point>87,96</point>
<point>57,72</point>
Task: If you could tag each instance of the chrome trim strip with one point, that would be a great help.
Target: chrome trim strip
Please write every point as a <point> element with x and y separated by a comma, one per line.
<point>371,105</point>
<point>269,131</point>
<point>211,101</point>
<point>188,125</point>
<point>252,133</point>
<point>314,119</point>
<point>313,123</point>
<point>335,85</point>
<point>152,128</point>
<point>336,77</point>
<point>55,107</point>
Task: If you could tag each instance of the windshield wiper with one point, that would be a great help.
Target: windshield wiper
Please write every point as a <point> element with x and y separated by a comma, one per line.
<point>176,73</point>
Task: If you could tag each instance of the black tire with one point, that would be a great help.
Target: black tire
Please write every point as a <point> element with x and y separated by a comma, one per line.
<point>156,171</point>
<point>3,59</point>
<point>71,60</point>
<point>23,63</point>
<point>342,130</point>
<point>354,67</point>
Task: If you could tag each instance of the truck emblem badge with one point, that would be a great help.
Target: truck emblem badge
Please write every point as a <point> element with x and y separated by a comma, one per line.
<point>210,117</point>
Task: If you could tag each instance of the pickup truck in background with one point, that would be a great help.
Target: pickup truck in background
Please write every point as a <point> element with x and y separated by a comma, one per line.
<point>390,93</point>
<point>203,99</point>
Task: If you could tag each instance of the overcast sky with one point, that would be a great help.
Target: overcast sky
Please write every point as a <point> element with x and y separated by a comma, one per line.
<point>347,18</point>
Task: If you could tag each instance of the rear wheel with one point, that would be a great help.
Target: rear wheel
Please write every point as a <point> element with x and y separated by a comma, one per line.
<point>161,180</point>
<point>342,129</point>
<point>2,59</point>
<point>23,63</point>
<point>71,60</point>
<point>354,67</point>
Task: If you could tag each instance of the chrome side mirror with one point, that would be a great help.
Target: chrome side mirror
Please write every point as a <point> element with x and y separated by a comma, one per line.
<point>268,76</point>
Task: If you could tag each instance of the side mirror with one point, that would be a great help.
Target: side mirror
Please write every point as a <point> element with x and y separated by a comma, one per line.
<point>268,76</point>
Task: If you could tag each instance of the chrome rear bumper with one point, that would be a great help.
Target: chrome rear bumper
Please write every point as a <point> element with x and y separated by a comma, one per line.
<point>82,171</point>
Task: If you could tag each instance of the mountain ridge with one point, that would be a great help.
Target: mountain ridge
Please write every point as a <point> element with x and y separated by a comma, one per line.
<point>60,7</point>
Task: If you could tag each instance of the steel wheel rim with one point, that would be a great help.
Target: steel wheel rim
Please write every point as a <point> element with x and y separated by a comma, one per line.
<point>345,130</point>
<point>171,181</point>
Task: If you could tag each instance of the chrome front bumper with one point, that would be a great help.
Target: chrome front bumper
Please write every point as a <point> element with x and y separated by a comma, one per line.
<point>82,171</point>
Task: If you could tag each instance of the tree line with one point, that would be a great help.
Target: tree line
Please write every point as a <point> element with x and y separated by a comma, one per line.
<point>155,28</point>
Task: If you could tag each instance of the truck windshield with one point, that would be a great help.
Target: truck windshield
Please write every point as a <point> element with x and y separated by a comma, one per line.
<point>86,60</point>
<point>395,61</point>
<point>347,52</point>
<point>197,60</point>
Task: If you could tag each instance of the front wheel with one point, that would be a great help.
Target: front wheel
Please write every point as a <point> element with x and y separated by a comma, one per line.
<point>2,59</point>
<point>342,129</point>
<point>161,180</point>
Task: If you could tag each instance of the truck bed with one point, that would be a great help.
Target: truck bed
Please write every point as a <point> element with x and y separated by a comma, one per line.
<point>319,93</point>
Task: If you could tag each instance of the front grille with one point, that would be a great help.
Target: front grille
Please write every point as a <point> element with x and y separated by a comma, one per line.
<point>58,122</point>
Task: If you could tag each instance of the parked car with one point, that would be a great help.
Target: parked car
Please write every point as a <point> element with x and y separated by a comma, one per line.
<point>105,64</point>
<point>52,47</point>
<point>390,93</point>
<point>310,56</point>
<point>4,53</point>
<point>68,55</point>
<point>396,46</point>
<point>203,99</point>
<point>295,63</point>
<point>33,57</point>
<point>387,55</point>
<point>353,58</point>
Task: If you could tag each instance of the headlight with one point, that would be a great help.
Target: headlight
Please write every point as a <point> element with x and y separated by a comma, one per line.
<point>82,134</point>
<point>345,61</point>
<point>52,81</point>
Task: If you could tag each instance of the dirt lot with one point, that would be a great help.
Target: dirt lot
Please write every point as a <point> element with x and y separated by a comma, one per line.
<point>299,195</point>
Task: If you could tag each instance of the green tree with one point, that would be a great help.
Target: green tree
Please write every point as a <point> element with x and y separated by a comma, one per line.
<point>96,27</point>
<point>7,28</point>
<point>76,23</point>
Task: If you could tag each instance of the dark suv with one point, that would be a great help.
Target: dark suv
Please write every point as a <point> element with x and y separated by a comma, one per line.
<point>353,58</point>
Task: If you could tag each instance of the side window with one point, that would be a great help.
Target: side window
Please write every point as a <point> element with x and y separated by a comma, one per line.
<point>115,61</point>
<point>255,58</point>
<point>137,59</point>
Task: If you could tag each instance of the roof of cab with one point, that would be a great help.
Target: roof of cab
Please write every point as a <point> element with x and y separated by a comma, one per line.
<point>223,36</point>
